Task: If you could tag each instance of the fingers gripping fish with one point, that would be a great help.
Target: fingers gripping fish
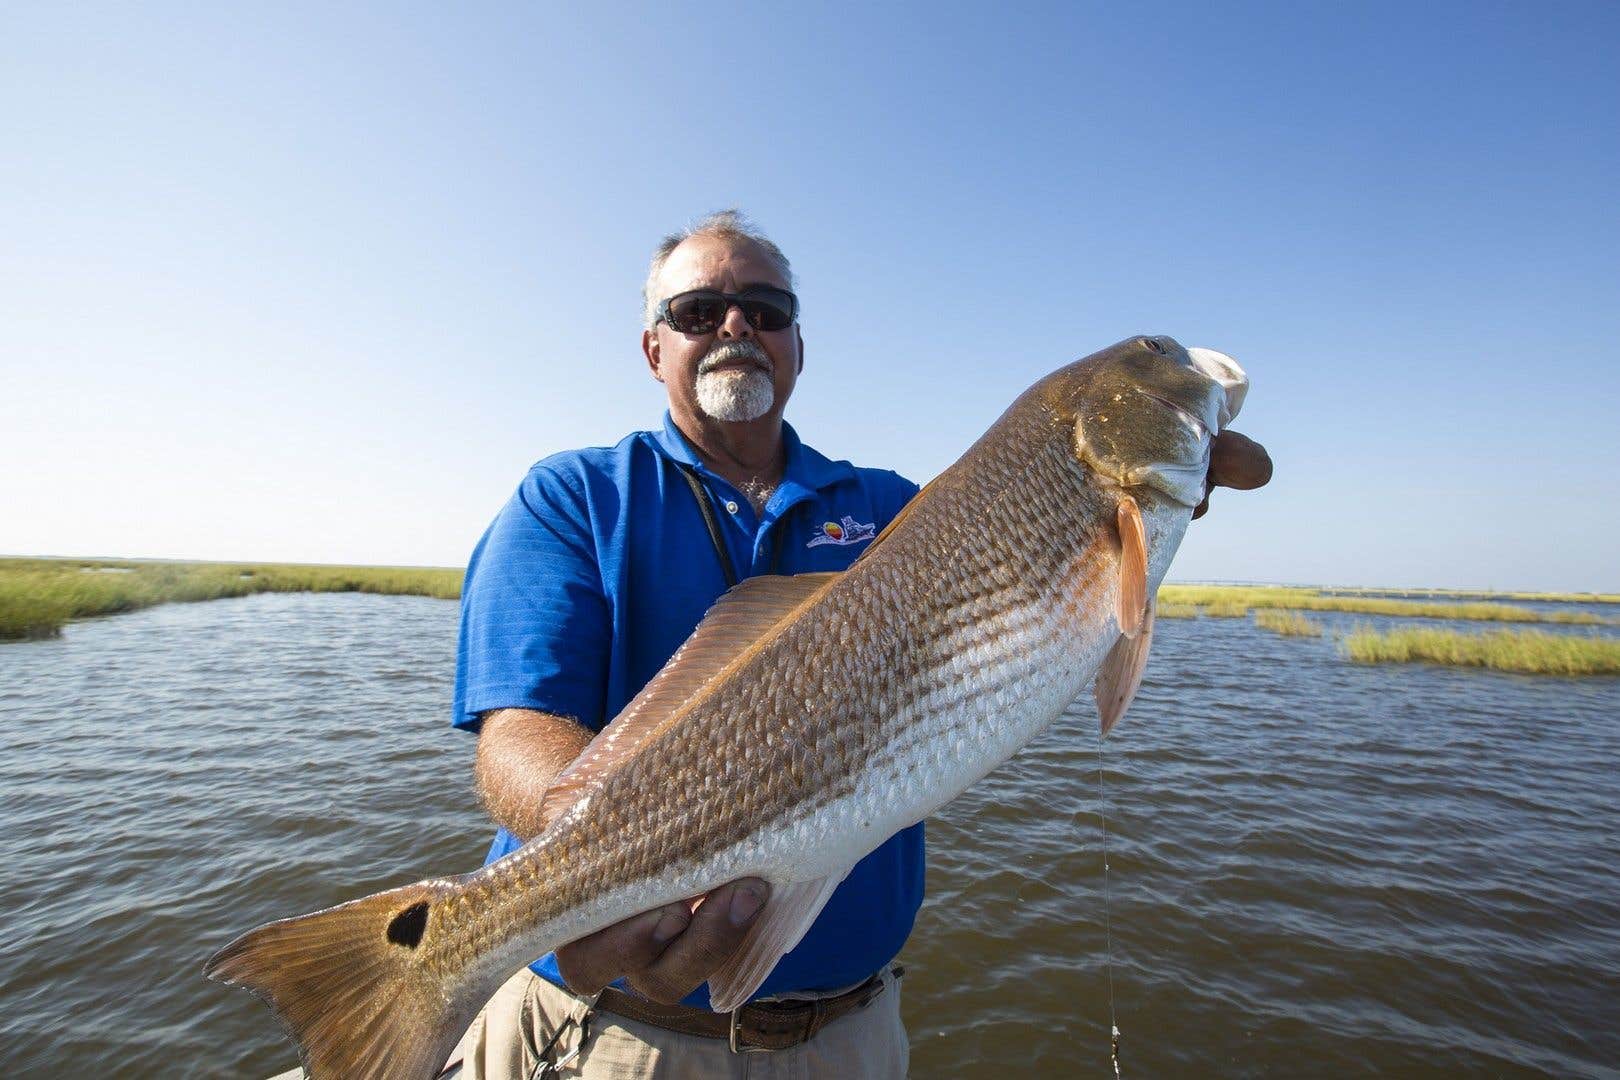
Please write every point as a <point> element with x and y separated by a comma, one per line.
<point>806,719</point>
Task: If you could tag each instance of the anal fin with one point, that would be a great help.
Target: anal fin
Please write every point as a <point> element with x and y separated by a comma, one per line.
<point>1121,672</point>
<point>786,919</point>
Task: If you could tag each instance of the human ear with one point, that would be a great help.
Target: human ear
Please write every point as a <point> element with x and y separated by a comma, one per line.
<point>649,349</point>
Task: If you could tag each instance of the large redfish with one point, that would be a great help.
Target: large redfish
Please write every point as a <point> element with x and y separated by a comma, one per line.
<point>806,719</point>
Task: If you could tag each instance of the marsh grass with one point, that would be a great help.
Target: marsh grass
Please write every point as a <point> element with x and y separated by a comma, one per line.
<point>38,596</point>
<point>1479,594</point>
<point>1287,623</point>
<point>1533,652</point>
<point>1231,597</point>
<point>1222,607</point>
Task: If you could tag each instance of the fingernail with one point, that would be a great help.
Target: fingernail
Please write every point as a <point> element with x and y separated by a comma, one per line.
<point>745,903</point>
<point>671,924</point>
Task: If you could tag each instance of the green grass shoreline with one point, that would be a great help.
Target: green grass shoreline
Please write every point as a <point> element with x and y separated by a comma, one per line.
<point>39,596</point>
<point>1232,601</point>
<point>1477,594</point>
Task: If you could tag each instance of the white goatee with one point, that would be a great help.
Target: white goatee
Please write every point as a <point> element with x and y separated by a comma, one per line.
<point>735,394</point>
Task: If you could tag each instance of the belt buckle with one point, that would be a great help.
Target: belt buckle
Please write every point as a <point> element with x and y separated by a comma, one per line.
<point>734,1040</point>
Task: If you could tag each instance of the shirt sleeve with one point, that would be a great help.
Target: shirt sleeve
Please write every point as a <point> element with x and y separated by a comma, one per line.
<point>535,623</point>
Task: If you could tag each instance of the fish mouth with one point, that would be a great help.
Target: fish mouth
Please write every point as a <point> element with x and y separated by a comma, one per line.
<point>1196,425</point>
<point>1182,478</point>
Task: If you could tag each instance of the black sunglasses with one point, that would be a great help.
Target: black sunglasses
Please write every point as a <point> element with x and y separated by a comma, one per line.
<point>701,311</point>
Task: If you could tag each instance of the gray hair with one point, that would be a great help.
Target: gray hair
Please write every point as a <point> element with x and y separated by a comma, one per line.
<point>729,224</point>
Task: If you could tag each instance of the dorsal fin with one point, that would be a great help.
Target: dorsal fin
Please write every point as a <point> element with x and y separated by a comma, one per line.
<point>745,614</point>
<point>901,516</point>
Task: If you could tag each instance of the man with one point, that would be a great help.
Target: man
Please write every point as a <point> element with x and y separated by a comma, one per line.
<point>585,584</point>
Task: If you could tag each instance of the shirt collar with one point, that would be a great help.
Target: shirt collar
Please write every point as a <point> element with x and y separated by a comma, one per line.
<point>806,467</point>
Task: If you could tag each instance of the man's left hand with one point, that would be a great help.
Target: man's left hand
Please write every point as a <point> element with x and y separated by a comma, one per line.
<point>1235,461</point>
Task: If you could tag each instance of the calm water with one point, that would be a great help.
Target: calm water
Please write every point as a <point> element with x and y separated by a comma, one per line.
<point>1316,869</point>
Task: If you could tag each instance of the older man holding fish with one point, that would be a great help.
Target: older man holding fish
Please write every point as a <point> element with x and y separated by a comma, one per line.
<point>583,588</point>
<point>720,680</point>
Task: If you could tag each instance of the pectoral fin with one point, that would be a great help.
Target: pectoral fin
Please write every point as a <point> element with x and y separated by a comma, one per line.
<point>1132,567</point>
<point>1121,673</point>
<point>786,919</point>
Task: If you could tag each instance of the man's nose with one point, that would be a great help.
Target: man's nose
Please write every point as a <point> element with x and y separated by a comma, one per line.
<point>734,325</point>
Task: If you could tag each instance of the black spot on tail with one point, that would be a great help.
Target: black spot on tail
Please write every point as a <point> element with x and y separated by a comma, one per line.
<point>408,925</point>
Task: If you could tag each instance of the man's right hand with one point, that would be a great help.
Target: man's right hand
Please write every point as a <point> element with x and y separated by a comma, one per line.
<point>665,953</point>
<point>668,952</point>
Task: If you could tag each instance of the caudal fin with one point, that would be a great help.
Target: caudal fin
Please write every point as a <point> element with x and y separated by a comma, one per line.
<point>355,985</point>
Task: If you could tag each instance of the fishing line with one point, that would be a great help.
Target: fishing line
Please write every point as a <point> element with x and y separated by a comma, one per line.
<point>1108,928</point>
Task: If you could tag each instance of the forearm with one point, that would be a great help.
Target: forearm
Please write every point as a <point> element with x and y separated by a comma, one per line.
<point>520,753</point>
<point>666,952</point>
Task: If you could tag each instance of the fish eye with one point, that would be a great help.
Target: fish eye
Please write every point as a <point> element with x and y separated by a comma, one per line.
<point>1156,345</point>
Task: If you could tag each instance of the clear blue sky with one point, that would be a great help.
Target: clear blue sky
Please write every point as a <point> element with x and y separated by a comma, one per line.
<point>289,282</point>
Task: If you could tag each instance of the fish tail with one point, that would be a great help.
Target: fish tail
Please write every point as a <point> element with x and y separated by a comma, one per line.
<point>357,986</point>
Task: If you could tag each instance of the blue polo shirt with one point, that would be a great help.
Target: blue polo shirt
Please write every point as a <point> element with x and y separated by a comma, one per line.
<point>601,565</point>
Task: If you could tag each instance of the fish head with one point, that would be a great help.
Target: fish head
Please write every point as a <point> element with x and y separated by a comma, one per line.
<point>1146,410</point>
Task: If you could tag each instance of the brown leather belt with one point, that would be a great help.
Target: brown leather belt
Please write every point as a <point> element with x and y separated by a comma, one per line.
<point>759,1025</point>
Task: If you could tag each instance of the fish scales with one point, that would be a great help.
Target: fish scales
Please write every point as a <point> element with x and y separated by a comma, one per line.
<point>966,628</point>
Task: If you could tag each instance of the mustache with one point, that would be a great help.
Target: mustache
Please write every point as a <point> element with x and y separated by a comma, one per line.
<point>732,351</point>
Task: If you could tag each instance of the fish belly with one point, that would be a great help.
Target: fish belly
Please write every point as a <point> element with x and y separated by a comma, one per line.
<point>977,707</point>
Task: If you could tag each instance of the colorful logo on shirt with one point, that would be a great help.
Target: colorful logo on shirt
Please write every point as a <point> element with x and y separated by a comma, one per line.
<point>846,531</point>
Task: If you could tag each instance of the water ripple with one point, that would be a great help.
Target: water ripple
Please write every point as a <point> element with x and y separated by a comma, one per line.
<point>1315,868</point>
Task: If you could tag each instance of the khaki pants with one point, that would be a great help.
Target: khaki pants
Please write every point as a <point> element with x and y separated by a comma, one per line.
<point>504,1043</point>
